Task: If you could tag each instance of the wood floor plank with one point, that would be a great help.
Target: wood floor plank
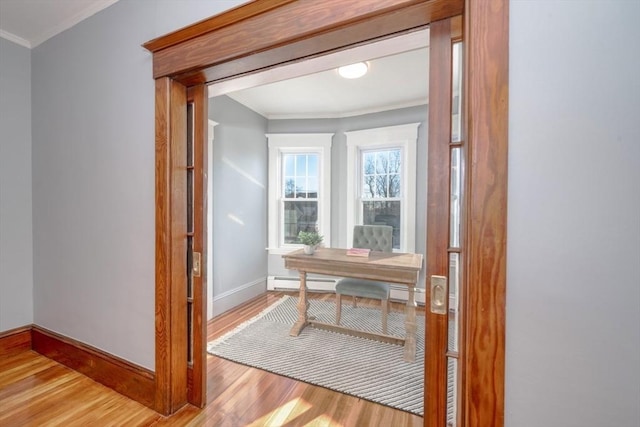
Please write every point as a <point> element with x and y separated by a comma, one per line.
<point>36,391</point>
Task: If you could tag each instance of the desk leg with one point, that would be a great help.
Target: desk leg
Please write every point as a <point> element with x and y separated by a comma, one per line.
<point>303,305</point>
<point>410,327</point>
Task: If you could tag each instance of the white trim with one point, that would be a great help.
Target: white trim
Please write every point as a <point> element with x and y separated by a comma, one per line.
<point>94,7</point>
<point>369,110</point>
<point>211,134</point>
<point>209,177</point>
<point>233,297</point>
<point>238,289</point>
<point>15,39</point>
<point>290,143</point>
<point>403,136</point>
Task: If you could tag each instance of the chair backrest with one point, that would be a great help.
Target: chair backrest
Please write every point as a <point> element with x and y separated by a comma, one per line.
<point>374,237</point>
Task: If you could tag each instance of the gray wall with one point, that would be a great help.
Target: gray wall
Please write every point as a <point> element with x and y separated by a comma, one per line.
<point>573,279</point>
<point>339,167</point>
<point>16,243</point>
<point>93,175</point>
<point>239,205</point>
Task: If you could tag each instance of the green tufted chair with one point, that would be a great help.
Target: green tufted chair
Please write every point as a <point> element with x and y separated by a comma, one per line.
<point>376,238</point>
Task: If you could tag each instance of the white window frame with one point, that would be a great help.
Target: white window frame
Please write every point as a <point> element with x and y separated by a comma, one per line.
<point>404,137</point>
<point>284,143</point>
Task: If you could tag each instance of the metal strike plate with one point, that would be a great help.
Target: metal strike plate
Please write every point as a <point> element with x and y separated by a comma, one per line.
<point>197,264</point>
<point>439,294</point>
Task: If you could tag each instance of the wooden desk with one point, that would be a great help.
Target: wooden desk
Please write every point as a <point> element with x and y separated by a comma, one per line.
<point>400,268</point>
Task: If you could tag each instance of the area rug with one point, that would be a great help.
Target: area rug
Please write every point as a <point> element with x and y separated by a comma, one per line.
<point>359,367</point>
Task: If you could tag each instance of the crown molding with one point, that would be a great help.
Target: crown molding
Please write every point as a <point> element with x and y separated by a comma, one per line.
<point>15,39</point>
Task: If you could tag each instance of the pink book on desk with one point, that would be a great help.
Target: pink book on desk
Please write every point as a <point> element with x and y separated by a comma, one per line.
<point>358,252</point>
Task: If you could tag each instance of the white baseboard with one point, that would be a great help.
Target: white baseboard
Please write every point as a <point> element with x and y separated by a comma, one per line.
<point>234,297</point>
<point>323,284</point>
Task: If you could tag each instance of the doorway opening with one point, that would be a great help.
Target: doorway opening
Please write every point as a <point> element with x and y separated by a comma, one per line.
<point>304,100</point>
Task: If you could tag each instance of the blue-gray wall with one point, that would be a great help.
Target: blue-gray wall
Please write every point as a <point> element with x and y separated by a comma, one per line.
<point>16,242</point>
<point>93,175</point>
<point>239,204</point>
<point>573,248</point>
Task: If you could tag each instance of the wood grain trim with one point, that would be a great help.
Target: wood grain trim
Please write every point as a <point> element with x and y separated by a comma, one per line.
<point>438,216</point>
<point>216,22</point>
<point>487,79</point>
<point>15,341</point>
<point>375,28</point>
<point>178,230</point>
<point>163,247</point>
<point>196,374</point>
<point>171,303</point>
<point>290,23</point>
<point>131,380</point>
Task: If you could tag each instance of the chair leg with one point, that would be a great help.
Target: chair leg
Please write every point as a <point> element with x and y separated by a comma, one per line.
<point>385,312</point>
<point>338,308</point>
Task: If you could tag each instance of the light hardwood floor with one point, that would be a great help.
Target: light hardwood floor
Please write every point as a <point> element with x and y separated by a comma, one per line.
<point>36,391</point>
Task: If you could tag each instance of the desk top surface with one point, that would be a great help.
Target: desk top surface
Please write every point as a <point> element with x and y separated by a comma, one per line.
<point>393,260</point>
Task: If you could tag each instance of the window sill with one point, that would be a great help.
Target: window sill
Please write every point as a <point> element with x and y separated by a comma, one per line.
<point>282,250</point>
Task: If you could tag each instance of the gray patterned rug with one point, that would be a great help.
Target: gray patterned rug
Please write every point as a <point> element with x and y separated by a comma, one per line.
<point>360,367</point>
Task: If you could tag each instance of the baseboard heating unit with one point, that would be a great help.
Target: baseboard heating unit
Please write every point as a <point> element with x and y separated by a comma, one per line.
<point>328,284</point>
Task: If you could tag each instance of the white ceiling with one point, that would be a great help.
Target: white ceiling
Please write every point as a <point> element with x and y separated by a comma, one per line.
<point>31,22</point>
<point>398,68</point>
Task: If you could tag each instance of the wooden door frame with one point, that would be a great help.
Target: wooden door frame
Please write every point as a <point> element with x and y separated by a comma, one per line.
<point>267,33</point>
<point>198,97</point>
<point>441,35</point>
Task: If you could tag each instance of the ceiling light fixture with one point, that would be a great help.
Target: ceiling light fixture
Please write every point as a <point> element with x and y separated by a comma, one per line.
<point>353,71</point>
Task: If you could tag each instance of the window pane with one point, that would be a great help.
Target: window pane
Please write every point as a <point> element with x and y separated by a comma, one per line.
<point>454,312</point>
<point>452,392</point>
<point>289,164</point>
<point>455,194</point>
<point>394,161</point>
<point>301,164</point>
<point>300,176</point>
<point>383,213</point>
<point>312,187</point>
<point>456,104</point>
<point>369,186</point>
<point>289,188</point>
<point>381,173</point>
<point>394,185</point>
<point>382,158</point>
<point>312,164</point>
<point>301,187</point>
<point>369,162</point>
<point>299,215</point>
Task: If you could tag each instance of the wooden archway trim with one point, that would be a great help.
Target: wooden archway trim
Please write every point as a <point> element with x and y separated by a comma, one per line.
<point>295,30</point>
<point>244,40</point>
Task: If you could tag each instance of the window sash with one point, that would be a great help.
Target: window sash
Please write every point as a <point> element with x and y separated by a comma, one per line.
<point>361,142</point>
<point>280,237</point>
